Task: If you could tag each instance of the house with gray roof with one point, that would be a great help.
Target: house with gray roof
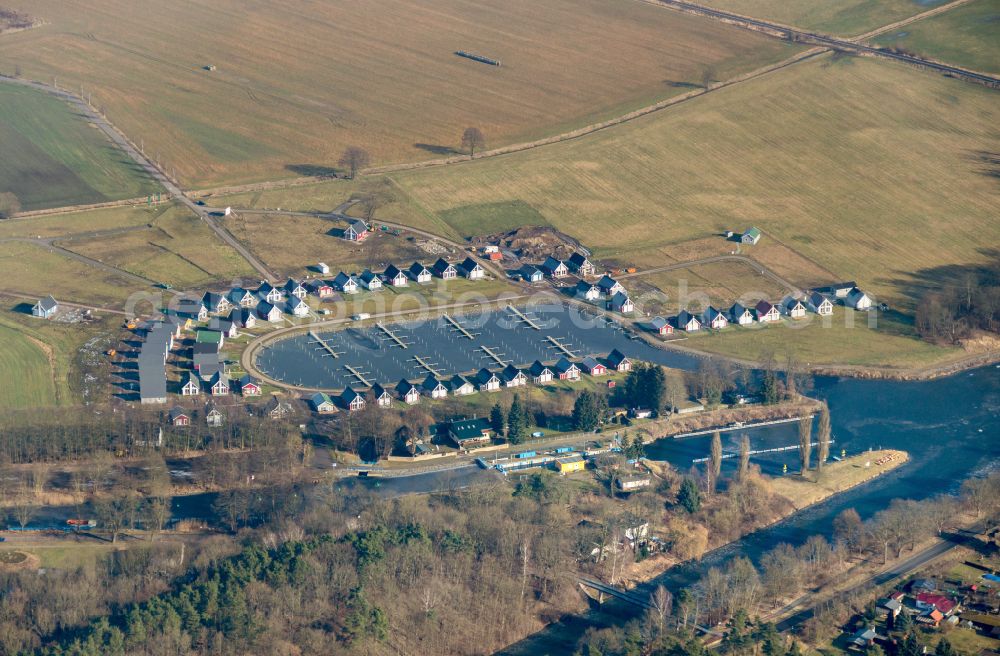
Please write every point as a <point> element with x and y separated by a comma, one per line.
<point>45,308</point>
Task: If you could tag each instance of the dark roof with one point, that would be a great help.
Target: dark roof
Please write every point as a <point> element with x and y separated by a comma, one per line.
<point>404,386</point>
<point>392,272</point>
<point>468,264</point>
<point>441,266</point>
<point>458,381</point>
<point>737,310</point>
<point>510,372</point>
<point>417,269</point>
<point>577,260</point>
<point>176,412</point>
<point>368,275</point>
<point>378,391</point>
<point>537,368</point>
<point>658,322</point>
<point>530,271</point>
<point>484,375</point>
<point>591,362</point>
<point>616,357</point>
<point>606,282</point>
<point>342,279</point>
<point>619,299</point>
<point>265,307</point>
<point>469,429</point>
<point>47,304</point>
<point>763,307</point>
<point>291,285</point>
<point>684,318</point>
<point>565,365</point>
<point>349,394</point>
<point>431,383</point>
<point>358,225</point>
<point>320,398</point>
<point>551,264</point>
<point>583,286</point>
<point>248,380</point>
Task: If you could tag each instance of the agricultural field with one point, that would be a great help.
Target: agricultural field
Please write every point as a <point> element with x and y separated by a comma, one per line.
<point>26,361</point>
<point>30,269</point>
<point>868,170</point>
<point>53,158</point>
<point>178,249</point>
<point>63,225</point>
<point>392,85</point>
<point>844,17</point>
<point>846,338</point>
<point>967,36</point>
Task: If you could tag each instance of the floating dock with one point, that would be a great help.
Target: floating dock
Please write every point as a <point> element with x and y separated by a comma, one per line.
<point>427,366</point>
<point>323,344</point>
<point>559,344</point>
<point>523,317</point>
<point>357,374</point>
<point>493,354</point>
<point>391,335</point>
<point>459,327</point>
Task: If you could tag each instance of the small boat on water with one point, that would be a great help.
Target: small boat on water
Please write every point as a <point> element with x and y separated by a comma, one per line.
<point>82,523</point>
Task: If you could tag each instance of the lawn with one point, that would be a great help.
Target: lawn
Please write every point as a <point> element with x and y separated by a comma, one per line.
<point>46,358</point>
<point>867,169</point>
<point>966,36</point>
<point>179,249</point>
<point>835,477</point>
<point>718,284</point>
<point>25,360</point>
<point>292,244</point>
<point>296,82</point>
<point>31,269</point>
<point>844,339</point>
<point>847,17</point>
<point>53,158</point>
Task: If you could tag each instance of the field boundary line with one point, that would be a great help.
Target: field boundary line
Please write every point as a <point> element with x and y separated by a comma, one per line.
<point>912,19</point>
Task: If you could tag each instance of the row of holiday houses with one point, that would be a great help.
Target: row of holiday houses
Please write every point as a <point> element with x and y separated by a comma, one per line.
<point>820,302</point>
<point>485,380</point>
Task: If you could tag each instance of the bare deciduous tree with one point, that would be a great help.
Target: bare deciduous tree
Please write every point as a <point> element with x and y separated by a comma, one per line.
<point>715,462</point>
<point>744,466</point>
<point>823,437</point>
<point>354,159</point>
<point>805,443</point>
<point>662,603</point>
<point>472,140</point>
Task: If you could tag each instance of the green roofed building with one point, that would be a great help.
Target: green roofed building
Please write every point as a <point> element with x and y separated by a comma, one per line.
<point>470,432</point>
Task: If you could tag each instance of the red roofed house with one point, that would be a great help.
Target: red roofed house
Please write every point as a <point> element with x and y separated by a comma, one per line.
<point>929,600</point>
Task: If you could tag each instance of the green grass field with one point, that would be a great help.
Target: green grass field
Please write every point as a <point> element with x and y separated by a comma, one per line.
<point>52,158</point>
<point>846,17</point>
<point>62,225</point>
<point>872,170</point>
<point>719,284</point>
<point>846,339</point>
<point>30,269</point>
<point>304,79</point>
<point>26,362</point>
<point>966,36</point>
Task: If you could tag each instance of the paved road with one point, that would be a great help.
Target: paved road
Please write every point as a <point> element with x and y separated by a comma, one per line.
<point>814,38</point>
<point>122,142</point>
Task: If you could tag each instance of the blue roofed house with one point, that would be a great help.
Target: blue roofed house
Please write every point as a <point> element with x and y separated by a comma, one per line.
<point>370,280</point>
<point>580,265</point>
<point>609,286</point>
<point>714,319</point>
<point>352,399</point>
<point>471,269</point>
<point>216,303</point>
<point>356,230</point>
<point>513,377</point>
<point>434,387</point>
<point>621,303</point>
<point>419,273</point>
<point>487,380</point>
<point>345,283</point>
<point>531,273</point>
<point>554,268</point>
<point>444,269</point>
<point>395,277</point>
<point>408,392</point>
<point>587,291</point>
<point>297,306</point>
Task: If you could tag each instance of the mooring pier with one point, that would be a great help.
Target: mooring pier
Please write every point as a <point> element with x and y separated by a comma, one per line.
<point>493,354</point>
<point>523,317</point>
<point>323,344</point>
<point>391,335</point>
<point>357,374</point>
<point>559,344</point>
<point>459,327</point>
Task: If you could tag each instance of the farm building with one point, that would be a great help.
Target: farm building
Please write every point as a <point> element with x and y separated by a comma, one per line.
<point>444,269</point>
<point>345,283</point>
<point>178,417</point>
<point>395,277</point>
<point>687,322</point>
<point>408,392</point>
<point>766,313</point>
<point>593,367</point>
<point>751,236</point>
<point>618,361</point>
<point>621,303</point>
<point>471,269</point>
<point>322,403</point>
<point>487,381</point>
<point>531,273</point>
<point>554,268</point>
<point>45,308</point>
<point>461,386</point>
<point>570,464</point>
<point>580,265</point>
<point>567,370</point>
<point>661,326</point>
<point>740,315</point>
<point>540,374</point>
<point>419,273</point>
<point>467,433</point>
<point>356,230</point>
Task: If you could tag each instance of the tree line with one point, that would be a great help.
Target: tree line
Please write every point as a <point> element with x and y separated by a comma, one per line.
<point>950,313</point>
